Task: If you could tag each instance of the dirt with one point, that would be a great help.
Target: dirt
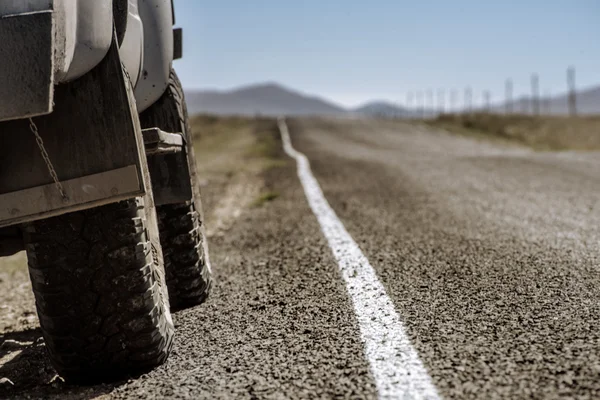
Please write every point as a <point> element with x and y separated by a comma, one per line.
<point>542,133</point>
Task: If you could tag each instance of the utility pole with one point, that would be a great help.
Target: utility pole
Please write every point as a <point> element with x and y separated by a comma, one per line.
<point>535,94</point>
<point>487,101</point>
<point>468,100</point>
<point>441,99</point>
<point>409,100</point>
<point>525,106</point>
<point>572,91</point>
<point>430,103</point>
<point>548,103</point>
<point>453,101</point>
<point>509,97</point>
<point>420,105</point>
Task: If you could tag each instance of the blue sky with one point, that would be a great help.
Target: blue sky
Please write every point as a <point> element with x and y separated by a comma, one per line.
<point>355,51</point>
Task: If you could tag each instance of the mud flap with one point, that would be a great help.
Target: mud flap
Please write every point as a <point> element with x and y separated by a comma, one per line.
<point>93,140</point>
<point>27,64</point>
<point>168,168</point>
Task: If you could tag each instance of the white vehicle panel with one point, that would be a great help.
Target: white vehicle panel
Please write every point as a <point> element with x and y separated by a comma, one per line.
<point>132,48</point>
<point>94,32</point>
<point>66,36</point>
<point>9,7</point>
<point>157,17</point>
<point>82,32</point>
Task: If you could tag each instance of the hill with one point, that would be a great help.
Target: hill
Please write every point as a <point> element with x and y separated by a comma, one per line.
<point>383,109</point>
<point>588,103</point>
<point>271,99</point>
<point>265,99</point>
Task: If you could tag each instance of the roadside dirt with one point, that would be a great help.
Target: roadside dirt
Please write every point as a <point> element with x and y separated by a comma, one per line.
<point>233,153</point>
<point>541,133</point>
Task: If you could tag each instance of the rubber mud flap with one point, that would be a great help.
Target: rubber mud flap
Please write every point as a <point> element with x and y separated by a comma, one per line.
<point>26,65</point>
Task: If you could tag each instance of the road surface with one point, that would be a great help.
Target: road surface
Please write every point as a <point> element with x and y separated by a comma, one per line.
<point>488,254</point>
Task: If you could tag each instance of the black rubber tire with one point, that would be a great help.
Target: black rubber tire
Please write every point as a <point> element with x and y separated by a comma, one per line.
<point>99,287</point>
<point>188,278</point>
<point>181,225</point>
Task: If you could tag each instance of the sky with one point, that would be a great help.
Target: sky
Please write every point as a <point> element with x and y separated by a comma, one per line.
<point>352,51</point>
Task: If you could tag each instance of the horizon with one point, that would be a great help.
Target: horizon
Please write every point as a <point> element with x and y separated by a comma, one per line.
<point>368,102</point>
<point>351,53</point>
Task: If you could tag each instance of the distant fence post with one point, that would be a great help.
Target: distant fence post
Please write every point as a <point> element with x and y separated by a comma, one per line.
<point>508,105</point>
<point>535,94</point>
<point>441,99</point>
<point>572,91</point>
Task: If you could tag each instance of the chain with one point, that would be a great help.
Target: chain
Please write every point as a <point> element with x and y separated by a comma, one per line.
<point>34,129</point>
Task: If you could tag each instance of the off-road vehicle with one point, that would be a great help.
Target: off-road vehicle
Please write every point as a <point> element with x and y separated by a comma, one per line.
<point>97,179</point>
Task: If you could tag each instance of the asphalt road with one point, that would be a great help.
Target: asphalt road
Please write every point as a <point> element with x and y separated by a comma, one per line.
<point>489,254</point>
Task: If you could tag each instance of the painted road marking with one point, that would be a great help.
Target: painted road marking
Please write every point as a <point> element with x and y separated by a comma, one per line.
<point>395,364</point>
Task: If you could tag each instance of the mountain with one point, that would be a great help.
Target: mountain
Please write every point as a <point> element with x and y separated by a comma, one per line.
<point>588,102</point>
<point>272,99</point>
<point>265,99</point>
<point>383,109</point>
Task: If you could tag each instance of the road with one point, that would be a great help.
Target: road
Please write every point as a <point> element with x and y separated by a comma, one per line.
<point>489,255</point>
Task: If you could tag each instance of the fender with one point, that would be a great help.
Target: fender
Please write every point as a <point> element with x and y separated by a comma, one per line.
<point>47,42</point>
<point>92,34</point>
<point>132,47</point>
<point>82,31</point>
<point>66,39</point>
<point>157,18</point>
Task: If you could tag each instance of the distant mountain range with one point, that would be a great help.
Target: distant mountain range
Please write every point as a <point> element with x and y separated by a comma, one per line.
<point>272,99</point>
<point>384,108</point>
<point>588,102</point>
<point>264,99</point>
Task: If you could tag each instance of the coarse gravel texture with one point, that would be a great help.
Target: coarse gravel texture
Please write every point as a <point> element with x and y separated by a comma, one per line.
<point>278,324</point>
<point>490,254</point>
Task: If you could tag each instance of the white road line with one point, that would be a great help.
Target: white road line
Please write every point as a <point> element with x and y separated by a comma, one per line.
<point>395,364</point>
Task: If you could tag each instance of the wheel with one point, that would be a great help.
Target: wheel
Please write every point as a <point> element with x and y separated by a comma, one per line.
<point>182,235</point>
<point>100,290</point>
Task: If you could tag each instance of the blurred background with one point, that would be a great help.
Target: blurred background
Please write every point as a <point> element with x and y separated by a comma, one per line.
<point>388,58</point>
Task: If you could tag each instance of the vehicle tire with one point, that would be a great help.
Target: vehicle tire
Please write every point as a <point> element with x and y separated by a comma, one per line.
<point>100,290</point>
<point>182,235</point>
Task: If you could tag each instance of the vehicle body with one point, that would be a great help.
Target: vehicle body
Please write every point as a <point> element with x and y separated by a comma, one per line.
<point>82,33</point>
<point>97,158</point>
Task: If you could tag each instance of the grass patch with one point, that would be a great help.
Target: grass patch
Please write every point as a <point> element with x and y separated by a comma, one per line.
<point>265,198</point>
<point>229,145</point>
<point>205,126</point>
<point>268,146</point>
<point>544,133</point>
